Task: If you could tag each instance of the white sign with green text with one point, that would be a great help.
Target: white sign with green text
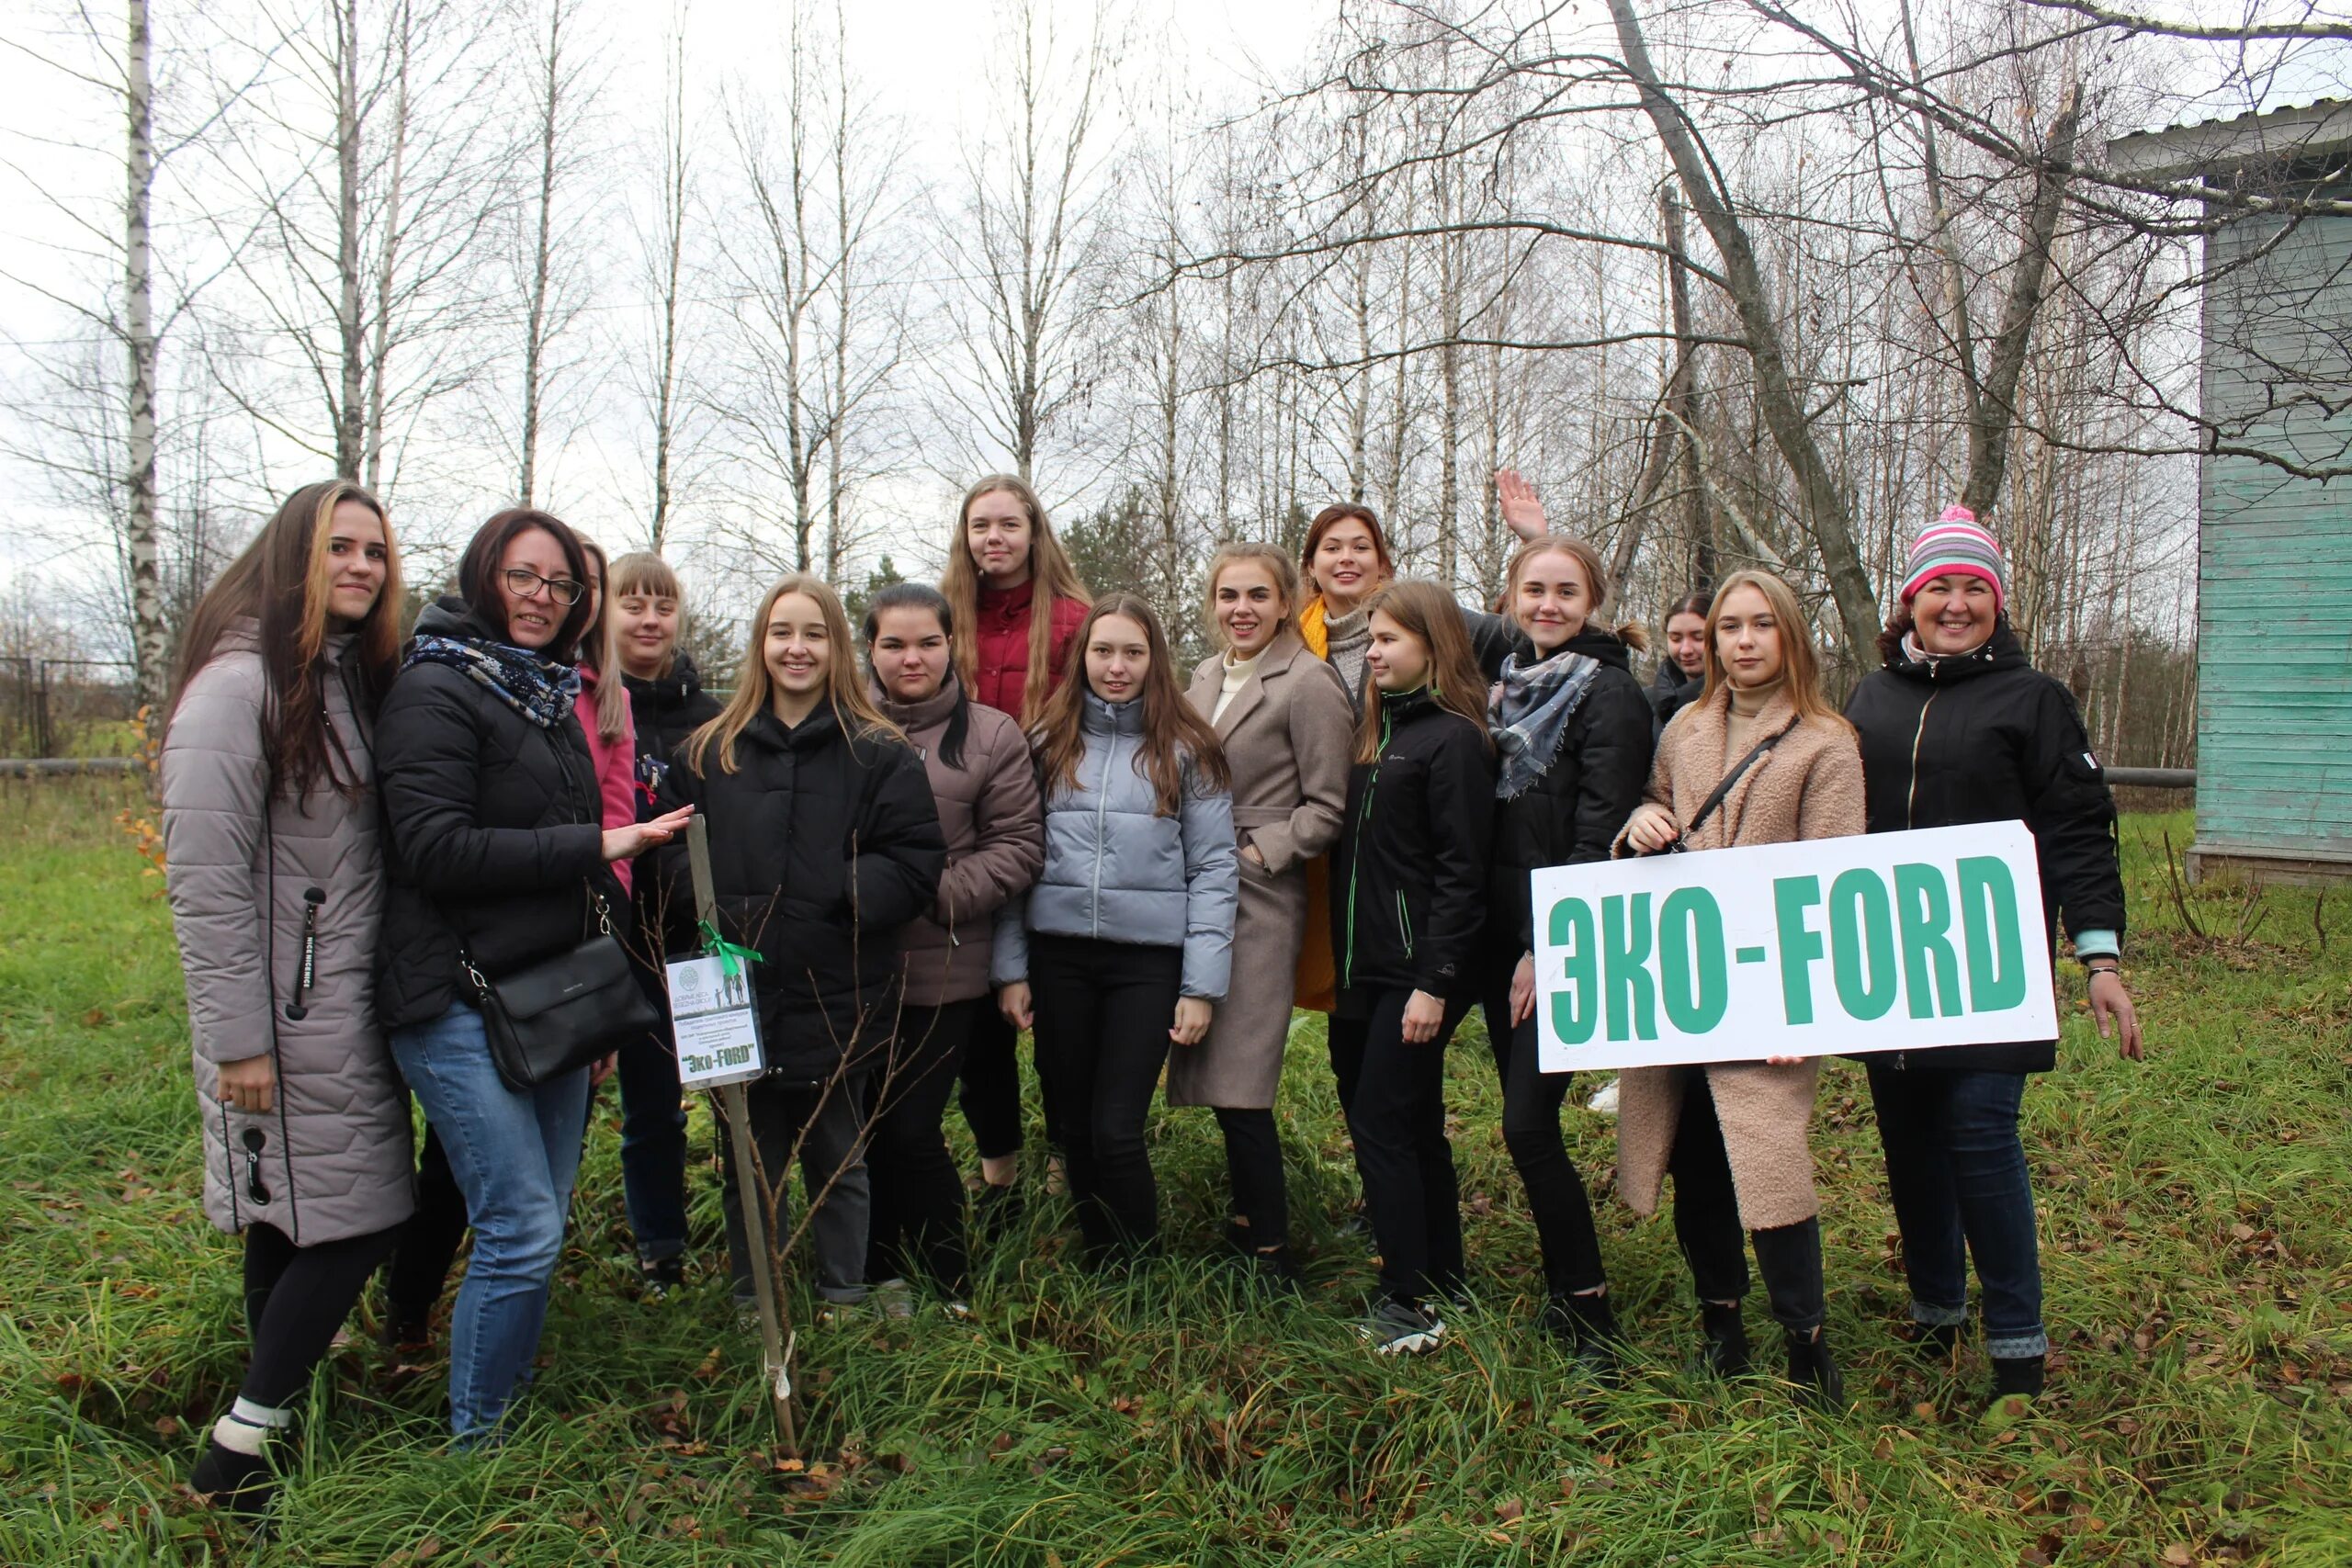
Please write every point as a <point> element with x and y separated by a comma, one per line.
<point>1886,941</point>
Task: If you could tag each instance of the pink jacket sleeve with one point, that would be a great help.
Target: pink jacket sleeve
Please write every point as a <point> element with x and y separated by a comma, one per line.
<point>616,767</point>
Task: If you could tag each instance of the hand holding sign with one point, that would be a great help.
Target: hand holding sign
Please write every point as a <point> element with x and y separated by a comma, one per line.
<point>1781,951</point>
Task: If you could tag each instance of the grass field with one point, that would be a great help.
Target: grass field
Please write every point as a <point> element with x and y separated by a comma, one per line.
<point>2194,1216</point>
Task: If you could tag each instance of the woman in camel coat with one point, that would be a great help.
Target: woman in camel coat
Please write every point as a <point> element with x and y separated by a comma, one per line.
<point>1285,722</point>
<point>1735,1136</point>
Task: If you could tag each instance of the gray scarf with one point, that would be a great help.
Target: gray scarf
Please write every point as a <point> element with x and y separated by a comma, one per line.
<point>1528,709</point>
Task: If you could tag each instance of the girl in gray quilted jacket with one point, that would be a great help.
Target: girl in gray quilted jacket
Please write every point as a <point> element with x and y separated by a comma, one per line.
<point>277,887</point>
<point>1124,944</point>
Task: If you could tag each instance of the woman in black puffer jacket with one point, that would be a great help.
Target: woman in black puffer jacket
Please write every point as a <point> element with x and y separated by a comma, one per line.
<point>1406,879</point>
<point>1572,730</point>
<point>1959,727</point>
<point>824,842</point>
<point>498,854</point>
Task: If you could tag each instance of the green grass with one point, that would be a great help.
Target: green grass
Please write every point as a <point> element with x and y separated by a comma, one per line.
<point>2195,1217</point>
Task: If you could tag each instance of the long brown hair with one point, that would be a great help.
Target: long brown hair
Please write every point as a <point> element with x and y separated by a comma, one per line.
<point>1173,734</point>
<point>280,582</point>
<point>598,652</point>
<point>853,709</point>
<point>1595,580</point>
<point>1800,660</point>
<point>1049,570</point>
<point>1429,612</point>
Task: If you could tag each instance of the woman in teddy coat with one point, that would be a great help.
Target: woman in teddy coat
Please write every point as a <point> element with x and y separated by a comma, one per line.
<point>1735,1136</point>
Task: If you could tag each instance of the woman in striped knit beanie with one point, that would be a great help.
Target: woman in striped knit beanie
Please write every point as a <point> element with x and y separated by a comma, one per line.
<point>1960,728</point>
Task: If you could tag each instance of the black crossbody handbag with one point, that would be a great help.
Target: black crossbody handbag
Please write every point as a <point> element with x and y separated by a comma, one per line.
<point>1681,840</point>
<point>563,1012</point>
<point>559,1015</point>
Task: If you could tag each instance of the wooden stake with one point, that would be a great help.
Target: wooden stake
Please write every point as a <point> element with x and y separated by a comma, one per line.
<point>776,1350</point>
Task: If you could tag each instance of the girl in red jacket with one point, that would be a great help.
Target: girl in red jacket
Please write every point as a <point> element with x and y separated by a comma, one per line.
<point>1015,604</point>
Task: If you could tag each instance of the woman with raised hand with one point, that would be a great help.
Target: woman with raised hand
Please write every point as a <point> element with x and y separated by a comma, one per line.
<point>1572,729</point>
<point>275,882</point>
<point>1017,604</point>
<point>1959,727</point>
<point>1682,670</point>
<point>1760,759</point>
<point>501,858</point>
<point>824,842</point>
<point>985,790</point>
<point>1284,725</point>
<point>1408,878</point>
<point>666,704</point>
<point>1124,947</point>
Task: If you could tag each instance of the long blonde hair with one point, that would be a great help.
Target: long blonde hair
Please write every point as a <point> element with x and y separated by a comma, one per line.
<point>854,710</point>
<point>1800,660</point>
<point>600,650</point>
<point>1596,579</point>
<point>1049,569</point>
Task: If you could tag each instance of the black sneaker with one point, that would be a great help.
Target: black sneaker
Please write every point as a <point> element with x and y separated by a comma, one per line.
<point>2016,1375</point>
<point>998,1209</point>
<point>1934,1343</point>
<point>238,1482</point>
<point>657,1277</point>
<point>1401,1328</point>
<point>1274,1270</point>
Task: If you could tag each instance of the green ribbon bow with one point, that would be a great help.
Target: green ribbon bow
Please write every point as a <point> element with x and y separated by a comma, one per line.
<point>730,954</point>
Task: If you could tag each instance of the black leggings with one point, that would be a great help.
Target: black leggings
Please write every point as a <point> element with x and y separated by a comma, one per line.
<point>990,1093</point>
<point>1706,1222</point>
<point>1253,1160</point>
<point>427,1245</point>
<point>917,1225</point>
<point>1532,1101</point>
<point>1103,1009</point>
<point>295,1298</point>
<point>1394,1093</point>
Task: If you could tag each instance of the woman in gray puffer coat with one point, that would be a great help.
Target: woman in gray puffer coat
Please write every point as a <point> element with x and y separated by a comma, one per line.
<point>276,888</point>
<point>1125,943</point>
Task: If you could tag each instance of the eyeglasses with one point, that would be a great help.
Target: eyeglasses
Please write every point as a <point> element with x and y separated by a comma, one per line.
<point>522,583</point>
<point>253,1188</point>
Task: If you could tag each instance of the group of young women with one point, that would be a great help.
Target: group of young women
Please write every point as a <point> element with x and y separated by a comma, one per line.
<point>998,807</point>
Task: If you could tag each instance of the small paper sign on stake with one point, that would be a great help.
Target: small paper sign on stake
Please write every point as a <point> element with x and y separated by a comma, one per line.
<point>714,1022</point>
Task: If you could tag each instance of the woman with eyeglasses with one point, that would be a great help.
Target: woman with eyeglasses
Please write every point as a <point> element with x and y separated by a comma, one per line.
<point>500,859</point>
<point>277,887</point>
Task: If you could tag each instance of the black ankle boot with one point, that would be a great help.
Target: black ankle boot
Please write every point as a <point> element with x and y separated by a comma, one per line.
<point>1935,1343</point>
<point>2017,1374</point>
<point>1726,1353</point>
<point>1586,1326</point>
<point>1814,1371</point>
<point>997,1210</point>
<point>237,1482</point>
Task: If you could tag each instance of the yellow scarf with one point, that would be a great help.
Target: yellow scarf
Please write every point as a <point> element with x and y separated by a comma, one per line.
<point>1312,629</point>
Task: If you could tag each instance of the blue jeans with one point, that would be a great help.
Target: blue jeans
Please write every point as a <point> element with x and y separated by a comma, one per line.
<point>1956,1174</point>
<point>514,1156</point>
<point>653,1143</point>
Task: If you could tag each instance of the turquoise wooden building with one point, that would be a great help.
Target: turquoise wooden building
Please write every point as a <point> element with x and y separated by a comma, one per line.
<point>2274,559</point>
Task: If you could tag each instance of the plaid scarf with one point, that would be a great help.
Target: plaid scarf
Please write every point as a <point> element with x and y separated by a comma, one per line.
<point>541,690</point>
<point>1528,709</point>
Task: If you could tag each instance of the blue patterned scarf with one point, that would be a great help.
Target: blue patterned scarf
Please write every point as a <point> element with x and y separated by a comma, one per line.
<point>541,690</point>
<point>1528,709</point>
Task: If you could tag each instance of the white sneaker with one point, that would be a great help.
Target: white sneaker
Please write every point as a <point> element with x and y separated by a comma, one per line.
<point>1394,1329</point>
<point>1604,1099</point>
